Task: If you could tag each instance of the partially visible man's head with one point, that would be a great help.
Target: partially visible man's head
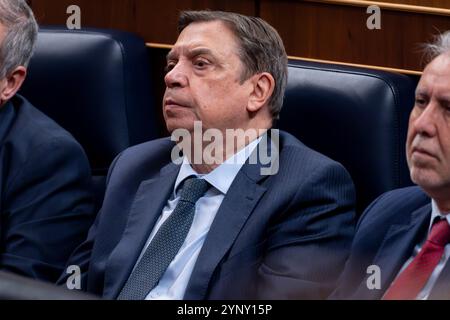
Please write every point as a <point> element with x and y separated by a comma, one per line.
<point>18,33</point>
<point>224,69</point>
<point>428,142</point>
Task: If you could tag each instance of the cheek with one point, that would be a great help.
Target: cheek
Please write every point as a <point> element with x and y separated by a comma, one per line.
<point>218,92</point>
<point>219,101</point>
<point>411,131</point>
<point>445,149</point>
<point>213,98</point>
<point>408,145</point>
<point>412,119</point>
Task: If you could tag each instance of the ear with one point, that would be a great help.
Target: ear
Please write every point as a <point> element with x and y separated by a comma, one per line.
<point>12,83</point>
<point>263,86</point>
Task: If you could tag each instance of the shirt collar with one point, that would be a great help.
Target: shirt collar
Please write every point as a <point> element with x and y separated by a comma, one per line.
<point>221,177</point>
<point>435,213</point>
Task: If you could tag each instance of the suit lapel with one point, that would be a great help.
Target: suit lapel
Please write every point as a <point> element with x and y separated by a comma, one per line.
<point>147,206</point>
<point>396,249</point>
<point>234,211</point>
<point>149,202</point>
<point>238,204</point>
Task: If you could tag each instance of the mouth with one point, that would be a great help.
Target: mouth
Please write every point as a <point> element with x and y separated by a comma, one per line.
<point>422,152</point>
<point>170,103</point>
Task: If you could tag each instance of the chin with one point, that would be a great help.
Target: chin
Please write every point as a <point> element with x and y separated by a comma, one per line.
<point>174,124</point>
<point>426,179</point>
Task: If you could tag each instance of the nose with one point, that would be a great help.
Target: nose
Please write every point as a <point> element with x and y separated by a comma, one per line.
<point>425,123</point>
<point>176,77</point>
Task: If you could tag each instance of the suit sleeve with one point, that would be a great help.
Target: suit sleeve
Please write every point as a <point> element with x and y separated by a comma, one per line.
<point>355,269</point>
<point>81,256</point>
<point>48,208</point>
<point>308,245</point>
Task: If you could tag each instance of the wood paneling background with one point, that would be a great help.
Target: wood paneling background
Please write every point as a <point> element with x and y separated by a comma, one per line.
<point>328,31</point>
<point>154,20</point>
<point>339,33</point>
<point>426,3</point>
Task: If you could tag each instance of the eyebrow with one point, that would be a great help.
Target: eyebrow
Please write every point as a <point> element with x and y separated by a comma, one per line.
<point>421,92</point>
<point>442,99</point>
<point>170,55</point>
<point>191,53</point>
<point>199,51</point>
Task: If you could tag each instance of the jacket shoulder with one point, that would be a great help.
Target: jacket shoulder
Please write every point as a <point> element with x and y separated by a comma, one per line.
<point>35,125</point>
<point>296,157</point>
<point>34,133</point>
<point>151,152</point>
<point>394,207</point>
<point>141,162</point>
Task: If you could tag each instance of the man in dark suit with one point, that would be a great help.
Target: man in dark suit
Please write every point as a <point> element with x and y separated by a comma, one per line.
<point>221,227</point>
<point>401,247</point>
<point>45,204</point>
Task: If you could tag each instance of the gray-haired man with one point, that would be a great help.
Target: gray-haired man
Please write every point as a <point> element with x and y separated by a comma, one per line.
<point>401,248</point>
<point>45,201</point>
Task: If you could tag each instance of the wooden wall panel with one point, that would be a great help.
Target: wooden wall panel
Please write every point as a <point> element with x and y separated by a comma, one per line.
<point>155,21</point>
<point>317,30</point>
<point>339,33</point>
<point>426,3</point>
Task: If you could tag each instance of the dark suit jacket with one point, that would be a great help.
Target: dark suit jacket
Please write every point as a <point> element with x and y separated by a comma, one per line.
<point>274,237</point>
<point>386,235</point>
<point>45,204</point>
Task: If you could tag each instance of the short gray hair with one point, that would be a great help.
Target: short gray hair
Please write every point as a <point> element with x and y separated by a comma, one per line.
<point>440,45</point>
<point>21,34</point>
<point>261,48</point>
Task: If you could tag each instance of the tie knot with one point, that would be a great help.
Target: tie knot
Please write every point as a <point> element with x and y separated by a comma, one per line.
<point>440,233</point>
<point>193,189</point>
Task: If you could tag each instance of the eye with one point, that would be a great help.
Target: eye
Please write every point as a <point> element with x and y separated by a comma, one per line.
<point>201,63</point>
<point>420,102</point>
<point>170,65</point>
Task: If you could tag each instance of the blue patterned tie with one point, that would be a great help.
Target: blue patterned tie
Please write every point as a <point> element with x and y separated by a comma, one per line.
<point>165,244</point>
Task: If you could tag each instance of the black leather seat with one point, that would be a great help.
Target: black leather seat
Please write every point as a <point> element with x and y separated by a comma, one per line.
<point>96,84</point>
<point>356,116</point>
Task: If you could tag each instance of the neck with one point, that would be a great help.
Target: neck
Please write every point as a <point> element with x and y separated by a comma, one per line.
<point>203,168</point>
<point>443,206</point>
<point>210,155</point>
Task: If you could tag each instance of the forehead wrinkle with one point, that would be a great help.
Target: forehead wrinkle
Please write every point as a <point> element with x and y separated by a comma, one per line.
<point>204,35</point>
<point>435,85</point>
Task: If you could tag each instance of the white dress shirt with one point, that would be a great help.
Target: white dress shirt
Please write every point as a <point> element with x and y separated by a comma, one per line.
<point>174,281</point>
<point>425,292</point>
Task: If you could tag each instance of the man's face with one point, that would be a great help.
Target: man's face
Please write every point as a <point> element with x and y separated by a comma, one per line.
<point>428,142</point>
<point>203,80</point>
